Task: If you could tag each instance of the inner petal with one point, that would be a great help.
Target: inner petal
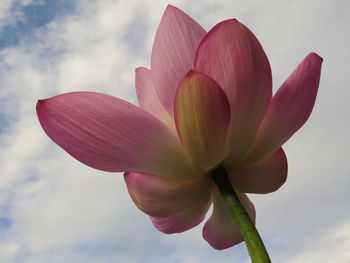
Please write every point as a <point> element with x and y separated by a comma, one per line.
<point>202,117</point>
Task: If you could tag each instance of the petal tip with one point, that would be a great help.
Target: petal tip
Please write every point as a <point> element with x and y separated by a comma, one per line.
<point>169,6</point>
<point>230,22</point>
<point>39,105</point>
<point>171,9</point>
<point>138,69</point>
<point>41,101</point>
<point>174,224</point>
<point>218,244</point>
<point>315,56</point>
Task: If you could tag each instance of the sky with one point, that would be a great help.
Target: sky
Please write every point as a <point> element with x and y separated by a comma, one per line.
<point>55,209</point>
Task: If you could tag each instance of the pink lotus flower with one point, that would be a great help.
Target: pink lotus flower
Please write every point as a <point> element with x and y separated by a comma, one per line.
<point>205,103</point>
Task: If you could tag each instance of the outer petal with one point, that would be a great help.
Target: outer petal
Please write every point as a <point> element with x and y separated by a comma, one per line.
<point>264,177</point>
<point>185,219</point>
<point>232,56</point>
<point>202,117</point>
<point>147,95</point>
<point>289,109</point>
<point>220,231</point>
<point>110,134</point>
<point>162,197</point>
<point>173,53</point>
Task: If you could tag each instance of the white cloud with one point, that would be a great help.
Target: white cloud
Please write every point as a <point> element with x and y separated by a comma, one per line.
<point>332,245</point>
<point>63,211</point>
<point>8,250</point>
<point>10,11</point>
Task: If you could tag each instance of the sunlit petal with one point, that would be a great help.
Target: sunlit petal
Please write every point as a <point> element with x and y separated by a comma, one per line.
<point>173,53</point>
<point>202,117</point>
<point>113,135</point>
<point>147,94</point>
<point>289,109</point>
<point>232,56</point>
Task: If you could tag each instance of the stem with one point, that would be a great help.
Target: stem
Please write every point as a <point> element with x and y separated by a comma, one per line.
<point>255,245</point>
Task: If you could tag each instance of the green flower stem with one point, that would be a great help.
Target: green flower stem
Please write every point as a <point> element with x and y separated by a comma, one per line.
<point>255,245</point>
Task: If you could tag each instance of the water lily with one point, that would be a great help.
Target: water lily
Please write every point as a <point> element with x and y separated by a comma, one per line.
<point>206,104</point>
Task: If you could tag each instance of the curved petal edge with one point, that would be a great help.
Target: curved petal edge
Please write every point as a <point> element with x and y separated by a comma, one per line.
<point>220,231</point>
<point>163,197</point>
<point>232,56</point>
<point>202,117</point>
<point>261,178</point>
<point>289,108</point>
<point>174,49</point>
<point>112,135</point>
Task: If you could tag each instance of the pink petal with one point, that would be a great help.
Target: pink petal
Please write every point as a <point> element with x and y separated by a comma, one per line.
<point>174,48</point>
<point>289,109</point>
<point>163,197</point>
<point>202,117</point>
<point>232,56</point>
<point>184,220</point>
<point>112,135</point>
<point>261,178</point>
<point>147,95</point>
<point>220,231</point>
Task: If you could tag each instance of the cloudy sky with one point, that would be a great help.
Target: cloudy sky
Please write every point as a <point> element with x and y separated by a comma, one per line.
<point>54,209</point>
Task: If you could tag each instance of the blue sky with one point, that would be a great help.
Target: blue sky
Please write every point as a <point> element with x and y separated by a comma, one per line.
<point>34,16</point>
<point>54,209</point>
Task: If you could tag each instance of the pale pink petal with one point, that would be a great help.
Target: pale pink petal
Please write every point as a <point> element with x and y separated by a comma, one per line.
<point>232,56</point>
<point>220,231</point>
<point>113,135</point>
<point>186,219</point>
<point>147,95</point>
<point>261,178</point>
<point>174,48</point>
<point>202,116</point>
<point>289,109</point>
<point>163,197</point>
